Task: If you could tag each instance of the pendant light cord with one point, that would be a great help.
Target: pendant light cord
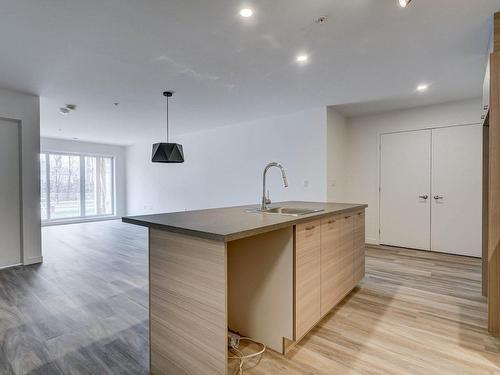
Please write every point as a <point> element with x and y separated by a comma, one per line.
<point>167,119</point>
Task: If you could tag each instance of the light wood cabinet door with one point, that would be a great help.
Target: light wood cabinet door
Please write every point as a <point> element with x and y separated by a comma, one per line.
<point>307,277</point>
<point>359,246</point>
<point>346,255</point>
<point>331,262</point>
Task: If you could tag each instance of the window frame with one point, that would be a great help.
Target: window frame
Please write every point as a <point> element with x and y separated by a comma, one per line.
<point>83,213</point>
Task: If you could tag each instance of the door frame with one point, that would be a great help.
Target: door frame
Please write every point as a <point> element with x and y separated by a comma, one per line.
<point>18,124</point>
<point>379,161</point>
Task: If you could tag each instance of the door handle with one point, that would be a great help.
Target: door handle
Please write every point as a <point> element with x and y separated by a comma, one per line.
<point>438,197</point>
<point>425,196</point>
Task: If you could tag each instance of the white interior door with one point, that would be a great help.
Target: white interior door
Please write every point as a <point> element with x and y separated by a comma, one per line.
<point>457,190</point>
<point>10,203</point>
<point>405,189</point>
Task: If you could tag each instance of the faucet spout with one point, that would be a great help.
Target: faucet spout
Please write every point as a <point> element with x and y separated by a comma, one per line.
<point>265,199</point>
<point>285,180</point>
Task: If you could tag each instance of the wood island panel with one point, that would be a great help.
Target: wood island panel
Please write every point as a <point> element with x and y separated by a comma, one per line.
<point>188,319</point>
<point>486,177</point>
<point>496,32</point>
<point>494,198</point>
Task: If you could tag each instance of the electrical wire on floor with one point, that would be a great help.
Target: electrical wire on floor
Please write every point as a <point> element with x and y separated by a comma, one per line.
<point>243,357</point>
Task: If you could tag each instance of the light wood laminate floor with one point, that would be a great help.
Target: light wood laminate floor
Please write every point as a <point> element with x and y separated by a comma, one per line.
<point>84,311</point>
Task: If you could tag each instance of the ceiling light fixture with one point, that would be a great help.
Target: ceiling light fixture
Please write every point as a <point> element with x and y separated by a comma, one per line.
<point>167,152</point>
<point>67,109</point>
<point>302,58</point>
<point>423,87</point>
<point>404,3</point>
<point>246,12</point>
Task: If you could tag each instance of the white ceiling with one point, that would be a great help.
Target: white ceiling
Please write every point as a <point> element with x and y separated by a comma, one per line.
<point>227,70</point>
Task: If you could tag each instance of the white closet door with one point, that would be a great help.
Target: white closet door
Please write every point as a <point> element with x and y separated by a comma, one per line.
<point>405,189</point>
<point>10,204</point>
<point>457,190</point>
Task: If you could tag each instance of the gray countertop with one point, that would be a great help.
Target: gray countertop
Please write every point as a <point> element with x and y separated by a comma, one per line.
<point>233,223</point>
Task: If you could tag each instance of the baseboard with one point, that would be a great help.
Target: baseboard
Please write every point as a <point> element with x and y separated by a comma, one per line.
<point>372,241</point>
<point>33,260</point>
<point>10,266</point>
<point>79,220</point>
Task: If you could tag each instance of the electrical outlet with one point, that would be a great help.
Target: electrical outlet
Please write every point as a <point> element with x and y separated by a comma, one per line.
<point>306,183</point>
<point>233,340</point>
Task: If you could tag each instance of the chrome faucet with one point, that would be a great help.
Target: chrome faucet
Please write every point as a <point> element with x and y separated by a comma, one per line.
<point>265,199</point>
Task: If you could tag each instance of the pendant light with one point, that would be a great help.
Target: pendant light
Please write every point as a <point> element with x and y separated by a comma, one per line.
<point>167,152</point>
<point>404,3</point>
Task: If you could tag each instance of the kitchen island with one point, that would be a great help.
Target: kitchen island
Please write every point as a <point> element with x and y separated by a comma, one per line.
<point>267,276</point>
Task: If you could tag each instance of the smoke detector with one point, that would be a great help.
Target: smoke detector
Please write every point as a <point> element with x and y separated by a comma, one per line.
<point>321,20</point>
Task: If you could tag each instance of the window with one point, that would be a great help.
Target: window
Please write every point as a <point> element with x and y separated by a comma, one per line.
<point>98,186</point>
<point>76,186</point>
<point>64,186</point>
<point>43,183</point>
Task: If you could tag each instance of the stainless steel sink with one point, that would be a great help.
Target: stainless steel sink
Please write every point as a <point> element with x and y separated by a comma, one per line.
<point>287,211</point>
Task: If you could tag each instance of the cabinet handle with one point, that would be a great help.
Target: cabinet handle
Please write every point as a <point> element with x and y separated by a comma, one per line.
<point>347,217</point>
<point>311,227</point>
<point>360,213</point>
<point>332,221</point>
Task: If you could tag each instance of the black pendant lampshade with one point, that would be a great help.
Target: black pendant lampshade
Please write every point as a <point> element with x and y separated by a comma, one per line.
<point>167,152</point>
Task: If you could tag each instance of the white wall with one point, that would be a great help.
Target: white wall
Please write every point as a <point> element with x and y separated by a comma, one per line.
<point>336,156</point>
<point>25,109</point>
<point>224,166</point>
<point>363,147</point>
<point>118,152</point>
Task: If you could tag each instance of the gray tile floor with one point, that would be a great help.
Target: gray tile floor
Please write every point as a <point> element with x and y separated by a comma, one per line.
<point>84,310</point>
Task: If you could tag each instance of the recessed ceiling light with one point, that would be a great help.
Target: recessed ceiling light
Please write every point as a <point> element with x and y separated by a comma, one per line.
<point>246,12</point>
<point>302,58</point>
<point>404,3</point>
<point>423,87</point>
<point>67,109</point>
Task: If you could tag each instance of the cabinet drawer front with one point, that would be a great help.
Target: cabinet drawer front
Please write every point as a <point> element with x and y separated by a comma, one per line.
<point>308,234</point>
<point>330,226</point>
